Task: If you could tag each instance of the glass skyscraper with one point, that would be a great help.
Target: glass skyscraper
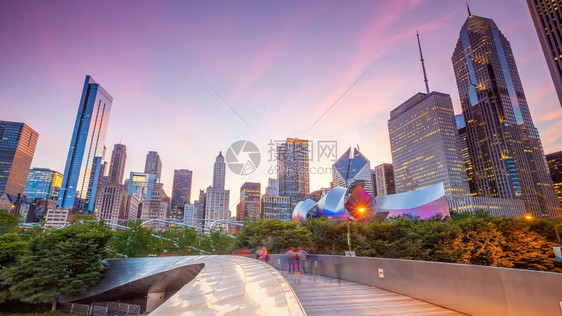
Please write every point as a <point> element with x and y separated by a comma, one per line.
<point>504,146</point>
<point>43,184</point>
<point>181,192</point>
<point>353,169</point>
<point>85,155</point>
<point>17,146</point>
<point>425,145</point>
<point>293,169</point>
<point>547,18</point>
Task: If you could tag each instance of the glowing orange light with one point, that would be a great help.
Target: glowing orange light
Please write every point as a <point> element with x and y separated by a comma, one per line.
<point>528,216</point>
<point>361,210</point>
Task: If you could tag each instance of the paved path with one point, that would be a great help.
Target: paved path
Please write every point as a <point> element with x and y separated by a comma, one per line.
<point>320,295</point>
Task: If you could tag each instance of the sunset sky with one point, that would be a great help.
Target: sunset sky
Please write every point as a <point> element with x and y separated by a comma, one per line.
<point>279,64</point>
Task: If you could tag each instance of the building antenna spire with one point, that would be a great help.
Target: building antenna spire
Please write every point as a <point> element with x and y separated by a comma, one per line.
<point>468,8</point>
<point>423,65</point>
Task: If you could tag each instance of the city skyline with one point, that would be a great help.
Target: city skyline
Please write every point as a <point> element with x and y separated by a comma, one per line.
<point>186,106</point>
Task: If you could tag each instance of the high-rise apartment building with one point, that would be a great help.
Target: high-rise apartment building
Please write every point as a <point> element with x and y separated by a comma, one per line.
<point>353,169</point>
<point>43,183</point>
<point>274,206</point>
<point>181,192</point>
<point>425,145</point>
<point>554,161</point>
<point>219,172</point>
<point>17,146</point>
<point>547,18</point>
<point>117,165</point>
<point>293,169</point>
<point>153,164</point>
<point>384,179</point>
<point>504,146</point>
<point>86,152</point>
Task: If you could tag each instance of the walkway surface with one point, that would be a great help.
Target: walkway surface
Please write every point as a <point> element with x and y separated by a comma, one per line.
<point>320,295</point>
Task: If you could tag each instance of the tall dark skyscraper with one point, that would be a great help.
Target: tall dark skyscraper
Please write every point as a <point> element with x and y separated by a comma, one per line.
<point>117,165</point>
<point>181,192</point>
<point>85,155</point>
<point>547,18</point>
<point>554,161</point>
<point>153,164</point>
<point>504,145</point>
<point>17,146</point>
<point>293,170</point>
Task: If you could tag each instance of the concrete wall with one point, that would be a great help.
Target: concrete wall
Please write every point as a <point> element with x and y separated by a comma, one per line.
<point>470,289</point>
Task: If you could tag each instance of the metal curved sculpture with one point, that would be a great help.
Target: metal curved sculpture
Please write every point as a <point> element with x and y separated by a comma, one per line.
<point>338,204</point>
<point>304,209</point>
<point>423,203</point>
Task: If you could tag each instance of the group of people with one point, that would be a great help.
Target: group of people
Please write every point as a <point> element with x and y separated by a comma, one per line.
<point>296,259</point>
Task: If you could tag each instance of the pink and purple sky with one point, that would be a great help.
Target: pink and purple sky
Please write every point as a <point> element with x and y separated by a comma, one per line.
<point>280,65</point>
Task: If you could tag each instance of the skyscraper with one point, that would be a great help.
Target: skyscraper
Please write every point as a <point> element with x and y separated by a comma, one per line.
<point>274,206</point>
<point>547,18</point>
<point>181,192</point>
<point>219,172</point>
<point>153,164</point>
<point>250,191</point>
<point>554,161</point>
<point>293,169</point>
<point>349,170</point>
<point>111,202</point>
<point>463,141</point>
<point>272,187</point>
<point>384,177</point>
<point>217,199</point>
<point>85,155</point>
<point>425,145</point>
<point>140,184</point>
<point>117,165</point>
<point>504,145</point>
<point>249,206</point>
<point>43,184</point>
<point>17,146</point>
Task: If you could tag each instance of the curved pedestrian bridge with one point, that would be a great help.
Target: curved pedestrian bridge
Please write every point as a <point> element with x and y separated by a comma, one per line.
<point>321,295</point>
<point>196,285</point>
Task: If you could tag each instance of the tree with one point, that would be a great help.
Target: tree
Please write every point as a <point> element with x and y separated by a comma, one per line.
<point>273,234</point>
<point>181,240</point>
<point>59,262</point>
<point>8,223</point>
<point>137,241</point>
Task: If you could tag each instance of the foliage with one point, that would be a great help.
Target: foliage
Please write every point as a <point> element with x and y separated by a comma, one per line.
<point>8,223</point>
<point>468,238</point>
<point>217,242</point>
<point>274,234</point>
<point>59,262</point>
<point>137,241</point>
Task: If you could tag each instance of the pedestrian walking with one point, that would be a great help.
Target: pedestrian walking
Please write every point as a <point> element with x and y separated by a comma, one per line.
<point>291,259</point>
<point>302,260</point>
